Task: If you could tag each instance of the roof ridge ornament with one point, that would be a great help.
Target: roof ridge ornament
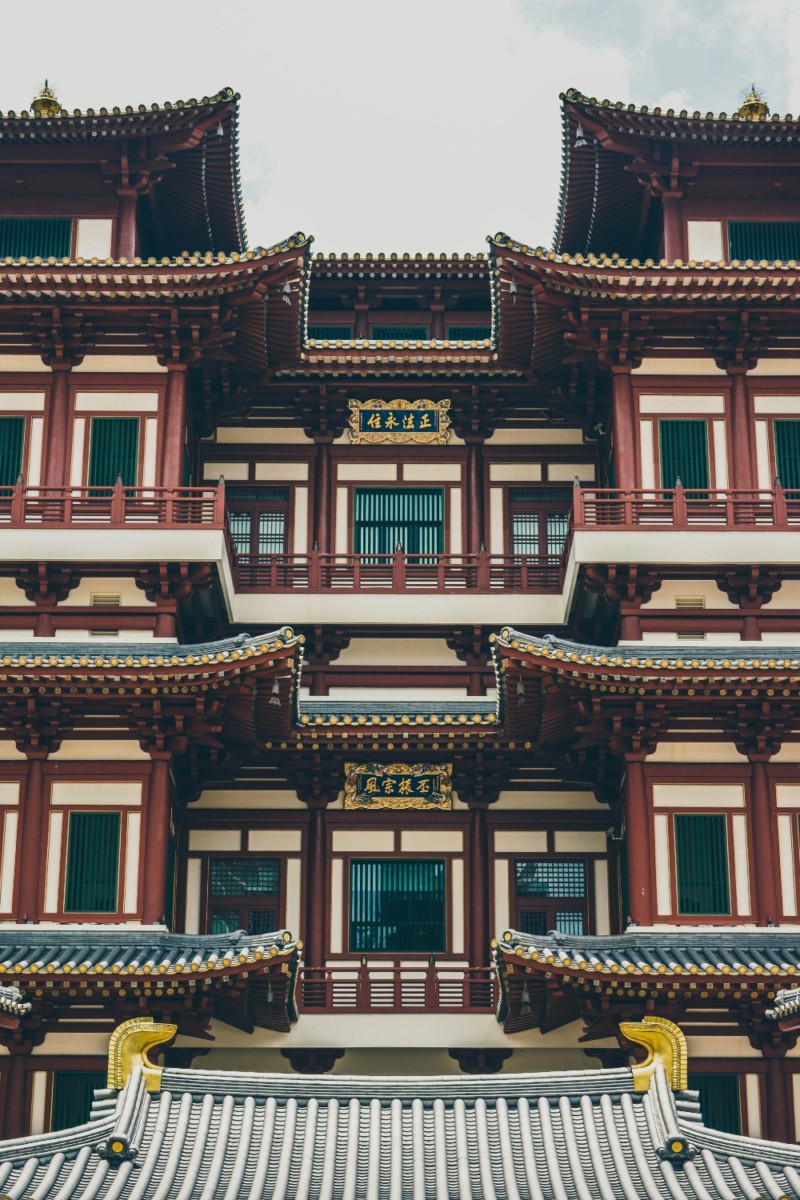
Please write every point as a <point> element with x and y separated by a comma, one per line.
<point>666,1047</point>
<point>128,1049</point>
<point>754,105</point>
<point>46,104</point>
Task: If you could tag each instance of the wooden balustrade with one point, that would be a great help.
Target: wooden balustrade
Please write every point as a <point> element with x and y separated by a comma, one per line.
<point>686,508</point>
<point>435,987</point>
<point>114,507</point>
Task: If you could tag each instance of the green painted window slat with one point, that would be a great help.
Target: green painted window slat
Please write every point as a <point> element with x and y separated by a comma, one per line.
<point>770,241</point>
<point>469,333</point>
<point>787,453</point>
<point>93,844</point>
<point>244,876</point>
<point>73,1092</point>
<point>12,436</point>
<point>385,518</point>
<point>114,451</point>
<point>330,333</point>
<point>399,333</point>
<point>397,906</point>
<point>720,1100</point>
<point>35,237</point>
<point>684,453</point>
<point>701,854</point>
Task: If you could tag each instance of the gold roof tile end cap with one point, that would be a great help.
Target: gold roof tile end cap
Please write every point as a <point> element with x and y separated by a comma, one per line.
<point>754,106</point>
<point>666,1046</point>
<point>128,1049</point>
<point>45,103</point>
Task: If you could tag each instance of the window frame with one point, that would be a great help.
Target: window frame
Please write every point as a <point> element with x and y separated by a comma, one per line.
<point>585,906</point>
<point>103,810</point>
<point>24,417</point>
<point>445,861</point>
<point>255,508</point>
<point>62,1073</point>
<point>206,905</point>
<point>102,489</point>
<point>542,509</point>
<point>241,902</point>
<point>397,485</point>
<point>726,223</point>
<point>723,817</point>
<point>697,492</point>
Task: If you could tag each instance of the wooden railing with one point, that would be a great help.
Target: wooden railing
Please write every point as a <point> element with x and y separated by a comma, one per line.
<point>399,572</point>
<point>117,507</point>
<point>373,988</point>
<point>686,508</point>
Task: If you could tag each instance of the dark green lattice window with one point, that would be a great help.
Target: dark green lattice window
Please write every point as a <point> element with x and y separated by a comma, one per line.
<point>720,1100</point>
<point>113,451</point>
<point>93,844</point>
<point>397,906</point>
<point>12,438</point>
<point>551,894</point>
<point>399,333</point>
<point>701,858</point>
<point>244,893</point>
<point>73,1092</point>
<point>385,518</point>
<point>770,241</point>
<point>787,453</point>
<point>469,333</point>
<point>330,333</point>
<point>684,453</point>
<point>35,237</point>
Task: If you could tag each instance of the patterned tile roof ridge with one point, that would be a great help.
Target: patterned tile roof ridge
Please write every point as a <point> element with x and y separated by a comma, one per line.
<point>204,259</point>
<point>46,652</point>
<point>651,655</point>
<point>225,96</point>
<point>502,241</point>
<point>573,96</point>
<point>617,1133</point>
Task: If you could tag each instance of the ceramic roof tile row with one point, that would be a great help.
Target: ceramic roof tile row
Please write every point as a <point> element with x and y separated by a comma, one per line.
<point>651,656</point>
<point>135,654</point>
<point>153,269</point>
<point>522,1137</point>
<point>121,120</point>
<point>13,1003</point>
<point>787,1004</point>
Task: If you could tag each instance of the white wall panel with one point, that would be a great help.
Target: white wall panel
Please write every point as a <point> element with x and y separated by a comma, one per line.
<point>741,865</point>
<point>8,859</point>
<point>432,841</point>
<point>107,793</point>
<point>752,1104</point>
<point>496,529</point>
<point>648,454</point>
<point>300,532</point>
<point>456,541</point>
<point>149,452</point>
<point>786,852</point>
<point>215,839</point>
<point>601,899</point>
<point>34,474</point>
<point>236,471</point>
<point>787,406</point>
<point>275,841</point>
<point>342,541</point>
<point>294,897</point>
<point>515,472</point>
<point>502,914</point>
<point>566,472</point>
<point>22,401</point>
<point>38,1101</point>
<point>704,241</point>
<point>457,906</point>
<point>358,840</point>
<point>94,237</point>
<point>55,835</point>
<point>383,472</point>
<point>524,841</point>
<point>133,846</point>
<point>664,865</point>
<point>720,454</point>
<point>690,405</point>
<point>432,472</point>
<point>698,795</point>
<point>193,877</point>
<point>76,461</point>
<point>337,905</point>
<point>580,841</point>
<point>763,466</point>
<point>282,471</point>
<point>116,402</point>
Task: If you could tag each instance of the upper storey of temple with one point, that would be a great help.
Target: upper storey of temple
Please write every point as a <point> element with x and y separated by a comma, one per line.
<point>651,183</point>
<point>151,181</point>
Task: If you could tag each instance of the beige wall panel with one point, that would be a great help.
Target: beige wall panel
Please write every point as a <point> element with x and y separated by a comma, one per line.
<point>112,585</point>
<point>785,851</point>
<point>752,1104</point>
<point>419,652</point>
<point>337,905</point>
<point>236,471</point>
<point>763,466</point>
<point>108,793</point>
<point>114,750</point>
<point>282,471</point>
<point>8,859</point>
<point>215,839</point>
<point>93,237</point>
<point>389,693</point>
<point>363,840</point>
<point>9,793</point>
<point>119,364</point>
<point>130,886</point>
<point>515,472</point>
<point>787,795</point>
<point>672,590</point>
<point>38,1101</point>
<point>76,459</point>
<point>496,521</point>
<point>502,913</point>
<point>580,841</point>
<point>23,364</point>
<point>696,752</point>
<point>536,437</point>
<point>11,594</point>
<point>547,801</point>
<point>566,472</point>
<point>21,401</point>
<point>704,241</point>
<point>10,753</point>
<point>455,530</point>
<point>522,841</point>
<point>720,454</point>
<point>601,898</point>
<point>796,1098</point>
<point>275,840</point>
<point>698,795</point>
<point>741,865</point>
<point>787,597</point>
<point>784,406</point>
<point>342,539</point>
<point>664,873</point>
<point>434,472</point>
<point>294,904</point>
<point>34,476</point>
<point>457,907</point>
<point>254,799</point>
<point>193,899</point>
<point>652,404</point>
<point>149,452</point>
<point>383,472</point>
<point>55,834</point>
<point>432,841</point>
<point>116,402</point>
<point>247,435</point>
<point>300,520</point>
<point>647,448</point>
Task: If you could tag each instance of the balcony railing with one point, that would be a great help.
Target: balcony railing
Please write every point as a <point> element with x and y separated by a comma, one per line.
<point>116,507</point>
<point>685,508</point>
<point>387,989</point>
<point>399,572</point>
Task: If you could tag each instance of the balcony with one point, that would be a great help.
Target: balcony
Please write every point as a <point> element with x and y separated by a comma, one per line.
<point>113,507</point>
<point>370,988</point>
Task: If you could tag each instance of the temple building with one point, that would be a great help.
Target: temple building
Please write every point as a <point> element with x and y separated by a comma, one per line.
<point>400,663</point>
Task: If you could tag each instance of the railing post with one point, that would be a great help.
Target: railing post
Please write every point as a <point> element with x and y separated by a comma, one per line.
<point>483,573</point>
<point>578,514</point>
<point>118,503</point>
<point>399,569</point>
<point>169,508</point>
<point>431,988</point>
<point>780,515</point>
<point>679,514</point>
<point>18,503</point>
<point>219,503</point>
<point>314,573</point>
<point>362,986</point>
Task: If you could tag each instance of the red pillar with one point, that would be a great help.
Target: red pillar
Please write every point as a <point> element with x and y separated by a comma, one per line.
<point>743,471</point>
<point>778,1106</point>
<point>33,841</point>
<point>174,426</point>
<point>126,226</point>
<point>58,440</point>
<point>16,1114</point>
<point>158,823</point>
<point>479,935</point>
<point>624,427</point>
<point>764,867</point>
<point>322,494</point>
<point>637,838</point>
<point>674,243</point>
<point>476,536</point>
<point>316,891</point>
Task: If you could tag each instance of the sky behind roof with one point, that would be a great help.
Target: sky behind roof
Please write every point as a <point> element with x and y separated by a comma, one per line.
<point>420,126</point>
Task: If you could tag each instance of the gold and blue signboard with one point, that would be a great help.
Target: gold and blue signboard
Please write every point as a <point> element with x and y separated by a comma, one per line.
<point>399,421</point>
<point>369,786</point>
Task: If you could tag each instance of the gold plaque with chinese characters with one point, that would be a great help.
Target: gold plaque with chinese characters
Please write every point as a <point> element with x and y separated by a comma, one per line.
<point>369,786</point>
<point>398,421</point>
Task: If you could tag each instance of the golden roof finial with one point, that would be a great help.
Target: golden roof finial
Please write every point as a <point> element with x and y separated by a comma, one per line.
<point>46,104</point>
<point>754,106</point>
<point>665,1044</point>
<point>128,1048</point>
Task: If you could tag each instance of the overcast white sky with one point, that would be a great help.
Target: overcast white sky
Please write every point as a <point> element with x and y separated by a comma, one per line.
<point>402,124</point>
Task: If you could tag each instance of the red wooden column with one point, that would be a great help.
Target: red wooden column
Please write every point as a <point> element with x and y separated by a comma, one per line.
<point>641,884</point>
<point>174,438</point>
<point>764,867</point>
<point>157,837</point>
<point>476,528</point>
<point>126,225</point>
<point>478,788</point>
<point>674,242</point>
<point>15,1118</point>
<point>743,471</point>
<point>58,439</point>
<point>624,424</point>
<point>33,840</point>
<point>779,1106</point>
<point>316,890</point>
<point>322,492</point>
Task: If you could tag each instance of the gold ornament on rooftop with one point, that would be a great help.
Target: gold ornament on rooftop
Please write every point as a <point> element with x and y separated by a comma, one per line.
<point>128,1049</point>
<point>754,106</point>
<point>46,104</point>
